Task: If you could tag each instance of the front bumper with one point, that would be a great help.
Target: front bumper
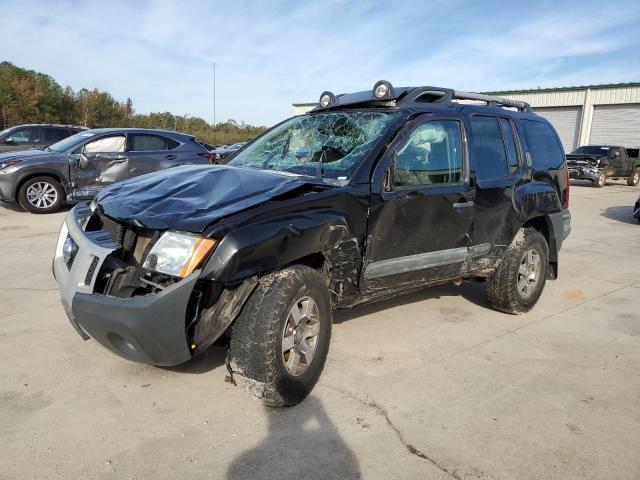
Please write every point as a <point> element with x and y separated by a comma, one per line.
<point>148,328</point>
<point>584,172</point>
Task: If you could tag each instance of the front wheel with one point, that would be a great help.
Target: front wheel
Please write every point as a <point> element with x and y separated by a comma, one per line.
<point>41,195</point>
<point>600,181</point>
<point>634,178</point>
<point>517,283</point>
<point>280,341</point>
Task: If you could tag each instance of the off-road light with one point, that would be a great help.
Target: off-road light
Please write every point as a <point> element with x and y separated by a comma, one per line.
<point>326,99</point>
<point>382,89</point>
<point>69,251</point>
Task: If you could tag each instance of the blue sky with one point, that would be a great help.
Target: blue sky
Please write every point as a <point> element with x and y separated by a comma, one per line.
<point>271,54</point>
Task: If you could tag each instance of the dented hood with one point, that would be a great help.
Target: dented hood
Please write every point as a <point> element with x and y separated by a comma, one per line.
<point>189,198</point>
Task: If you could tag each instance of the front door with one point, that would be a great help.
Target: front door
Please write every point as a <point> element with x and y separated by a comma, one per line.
<point>101,162</point>
<point>419,224</point>
<point>21,139</point>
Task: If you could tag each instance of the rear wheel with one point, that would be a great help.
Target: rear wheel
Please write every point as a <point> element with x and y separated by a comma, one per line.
<point>41,195</point>
<point>634,178</point>
<point>517,283</point>
<point>280,341</point>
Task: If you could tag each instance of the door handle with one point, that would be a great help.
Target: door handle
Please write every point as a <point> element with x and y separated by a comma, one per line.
<point>119,158</point>
<point>170,157</point>
<point>463,204</point>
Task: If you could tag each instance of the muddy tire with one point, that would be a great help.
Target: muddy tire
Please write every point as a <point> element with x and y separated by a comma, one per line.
<point>634,178</point>
<point>517,284</point>
<point>41,195</point>
<point>279,342</point>
<point>600,181</point>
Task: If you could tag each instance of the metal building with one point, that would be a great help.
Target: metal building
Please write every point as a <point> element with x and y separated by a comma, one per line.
<point>592,114</point>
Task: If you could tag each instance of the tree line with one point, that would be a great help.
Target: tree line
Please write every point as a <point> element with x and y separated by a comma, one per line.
<point>27,96</point>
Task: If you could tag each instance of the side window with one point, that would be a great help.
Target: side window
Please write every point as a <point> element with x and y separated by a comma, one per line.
<point>52,135</point>
<point>149,143</point>
<point>488,148</point>
<point>543,144</point>
<point>112,144</point>
<point>26,135</point>
<point>509,143</point>
<point>431,155</point>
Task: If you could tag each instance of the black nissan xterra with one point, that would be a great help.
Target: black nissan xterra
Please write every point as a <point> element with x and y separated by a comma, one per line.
<point>369,195</point>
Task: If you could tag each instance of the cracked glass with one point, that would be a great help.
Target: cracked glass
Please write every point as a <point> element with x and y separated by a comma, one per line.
<point>328,145</point>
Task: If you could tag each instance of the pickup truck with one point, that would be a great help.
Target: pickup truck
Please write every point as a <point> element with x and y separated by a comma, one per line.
<point>599,162</point>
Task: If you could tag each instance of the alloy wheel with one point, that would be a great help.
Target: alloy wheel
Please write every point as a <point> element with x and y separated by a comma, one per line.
<point>300,336</point>
<point>42,195</point>
<point>529,273</point>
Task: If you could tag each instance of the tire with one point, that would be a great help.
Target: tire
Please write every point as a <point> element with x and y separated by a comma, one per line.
<point>634,178</point>
<point>504,288</point>
<point>256,355</point>
<point>41,195</point>
<point>601,181</point>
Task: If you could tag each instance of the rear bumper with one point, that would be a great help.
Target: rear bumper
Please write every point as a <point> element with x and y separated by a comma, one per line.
<point>148,329</point>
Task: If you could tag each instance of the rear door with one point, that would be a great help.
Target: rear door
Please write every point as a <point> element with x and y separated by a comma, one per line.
<point>618,162</point>
<point>150,153</point>
<point>496,157</point>
<point>418,229</point>
<point>51,135</point>
<point>99,163</point>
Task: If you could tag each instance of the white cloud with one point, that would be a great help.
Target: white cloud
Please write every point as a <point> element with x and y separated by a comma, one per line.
<point>272,54</point>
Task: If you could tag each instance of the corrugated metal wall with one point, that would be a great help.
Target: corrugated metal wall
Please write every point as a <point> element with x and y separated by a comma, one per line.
<point>566,121</point>
<point>616,125</point>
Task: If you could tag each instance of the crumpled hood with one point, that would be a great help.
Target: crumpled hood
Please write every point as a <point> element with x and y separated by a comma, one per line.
<point>584,159</point>
<point>191,197</point>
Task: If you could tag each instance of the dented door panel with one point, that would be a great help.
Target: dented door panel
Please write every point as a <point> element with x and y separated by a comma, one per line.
<point>92,170</point>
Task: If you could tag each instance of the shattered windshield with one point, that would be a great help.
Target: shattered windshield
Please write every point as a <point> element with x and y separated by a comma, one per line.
<point>325,145</point>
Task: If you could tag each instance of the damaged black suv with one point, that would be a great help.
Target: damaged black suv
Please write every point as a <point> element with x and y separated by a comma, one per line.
<point>369,195</point>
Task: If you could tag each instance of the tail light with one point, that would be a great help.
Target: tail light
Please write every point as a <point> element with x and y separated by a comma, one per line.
<point>568,187</point>
<point>208,156</point>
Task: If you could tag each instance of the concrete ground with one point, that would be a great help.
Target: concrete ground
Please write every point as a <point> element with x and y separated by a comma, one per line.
<point>432,385</point>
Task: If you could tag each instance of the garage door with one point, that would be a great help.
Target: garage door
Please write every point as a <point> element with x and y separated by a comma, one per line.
<point>616,125</point>
<point>566,121</point>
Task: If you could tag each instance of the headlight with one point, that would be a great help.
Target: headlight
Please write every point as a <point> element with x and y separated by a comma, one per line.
<point>178,254</point>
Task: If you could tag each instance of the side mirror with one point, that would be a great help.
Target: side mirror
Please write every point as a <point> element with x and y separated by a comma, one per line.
<point>9,141</point>
<point>83,161</point>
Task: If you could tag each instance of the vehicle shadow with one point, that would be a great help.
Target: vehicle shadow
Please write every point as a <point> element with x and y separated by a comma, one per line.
<point>473,292</point>
<point>621,213</point>
<point>302,443</point>
<point>212,358</point>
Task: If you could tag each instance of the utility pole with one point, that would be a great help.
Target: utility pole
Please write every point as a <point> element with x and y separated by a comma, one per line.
<point>214,94</point>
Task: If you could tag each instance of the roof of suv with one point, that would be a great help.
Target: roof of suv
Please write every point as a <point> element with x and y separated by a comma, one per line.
<point>54,125</point>
<point>384,94</point>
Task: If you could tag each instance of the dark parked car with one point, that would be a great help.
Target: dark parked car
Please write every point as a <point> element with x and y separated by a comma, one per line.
<point>599,162</point>
<point>24,137</point>
<point>78,167</point>
<point>370,195</point>
<point>636,210</point>
<point>225,151</point>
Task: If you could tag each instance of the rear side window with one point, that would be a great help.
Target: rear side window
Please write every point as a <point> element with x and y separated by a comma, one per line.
<point>488,148</point>
<point>544,145</point>
<point>152,143</point>
<point>509,143</point>
<point>55,134</point>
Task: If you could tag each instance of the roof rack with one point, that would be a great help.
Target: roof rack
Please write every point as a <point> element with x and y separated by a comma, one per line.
<point>384,93</point>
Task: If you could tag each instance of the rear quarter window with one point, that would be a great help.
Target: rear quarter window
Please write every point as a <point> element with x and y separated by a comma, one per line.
<point>544,146</point>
